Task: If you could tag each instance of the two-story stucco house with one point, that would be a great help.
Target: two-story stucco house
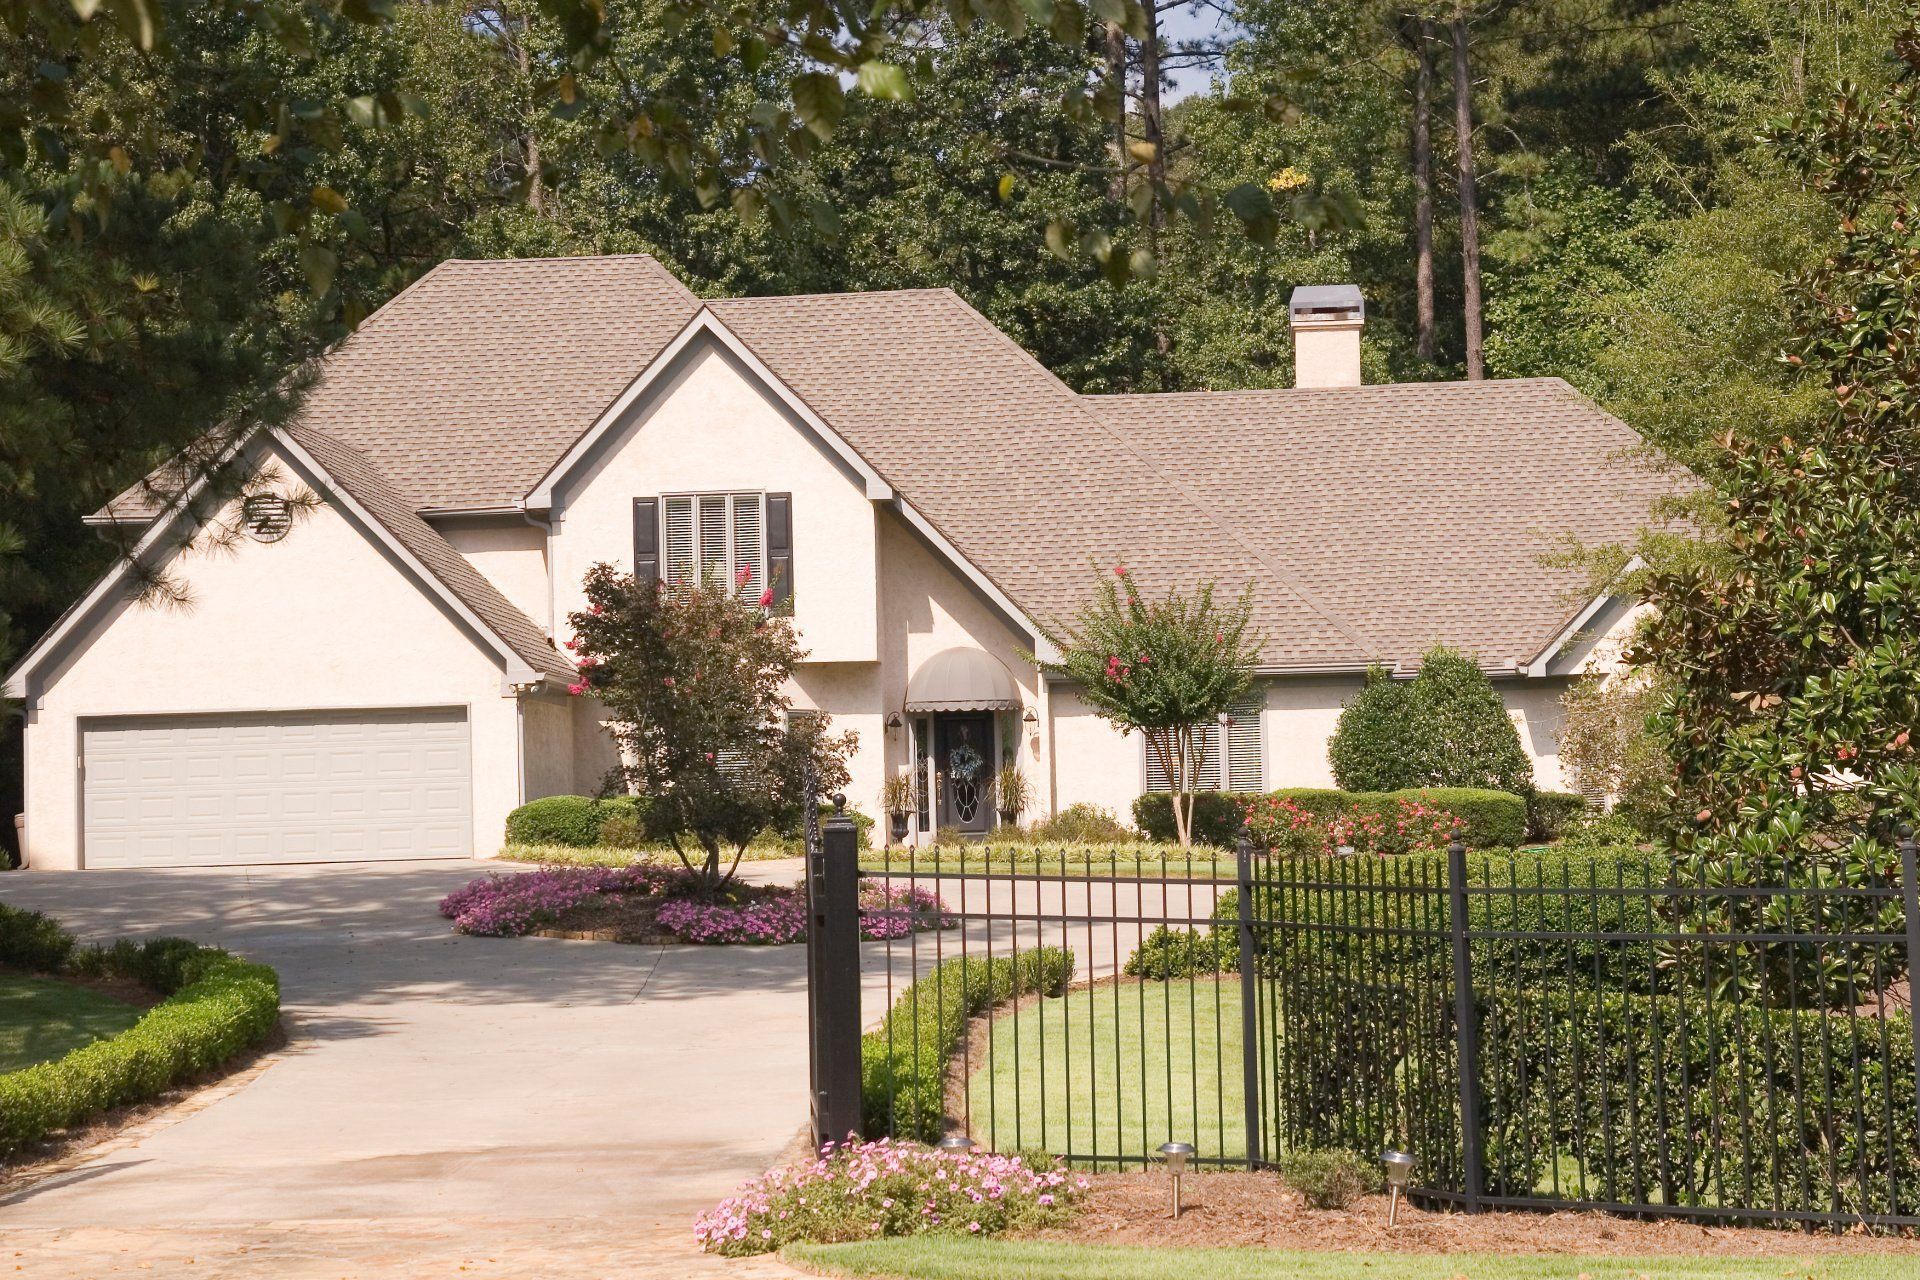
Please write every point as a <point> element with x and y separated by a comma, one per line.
<point>386,678</point>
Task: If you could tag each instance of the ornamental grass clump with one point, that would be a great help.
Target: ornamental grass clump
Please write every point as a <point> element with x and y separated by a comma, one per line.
<point>868,1190</point>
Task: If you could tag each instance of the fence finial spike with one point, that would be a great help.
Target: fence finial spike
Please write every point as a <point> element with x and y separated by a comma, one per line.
<point>1905,831</point>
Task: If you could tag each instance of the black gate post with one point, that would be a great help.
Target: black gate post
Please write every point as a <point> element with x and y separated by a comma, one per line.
<point>1910,899</point>
<point>1466,1024</point>
<point>1249,1001</point>
<point>833,977</point>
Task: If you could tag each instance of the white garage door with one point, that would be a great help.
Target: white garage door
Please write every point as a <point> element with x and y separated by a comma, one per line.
<point>324,786</point>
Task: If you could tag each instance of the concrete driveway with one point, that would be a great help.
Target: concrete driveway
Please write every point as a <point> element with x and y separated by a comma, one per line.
<point>486,1106</point>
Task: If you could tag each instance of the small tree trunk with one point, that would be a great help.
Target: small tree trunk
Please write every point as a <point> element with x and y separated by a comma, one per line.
<point>1151,121</point>
<point>1469,200</point>
<point>1422,40</point>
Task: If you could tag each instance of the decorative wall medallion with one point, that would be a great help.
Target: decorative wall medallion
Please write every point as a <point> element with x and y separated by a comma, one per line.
<point>266,517</point>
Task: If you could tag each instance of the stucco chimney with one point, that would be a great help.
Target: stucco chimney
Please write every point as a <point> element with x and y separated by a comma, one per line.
<point>1326,334</point>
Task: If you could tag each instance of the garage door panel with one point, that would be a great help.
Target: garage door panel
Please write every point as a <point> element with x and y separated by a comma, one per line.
<point>281,787</point>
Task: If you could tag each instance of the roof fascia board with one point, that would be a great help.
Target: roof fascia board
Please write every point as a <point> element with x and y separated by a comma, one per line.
<point>517,669</point>
<point>1043,648</point>
<point>1537,666</point>
<point>706,324</point>
<point>16,684</point>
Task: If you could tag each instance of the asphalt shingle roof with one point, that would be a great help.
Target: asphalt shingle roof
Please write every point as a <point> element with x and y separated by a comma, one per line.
<point>1372,521</point>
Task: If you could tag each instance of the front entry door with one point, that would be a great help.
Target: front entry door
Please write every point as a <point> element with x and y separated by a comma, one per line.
<point>963,771</point>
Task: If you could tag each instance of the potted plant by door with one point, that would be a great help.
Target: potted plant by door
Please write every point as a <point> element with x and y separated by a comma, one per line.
<point>1011,793</point>
<point>898,796</point>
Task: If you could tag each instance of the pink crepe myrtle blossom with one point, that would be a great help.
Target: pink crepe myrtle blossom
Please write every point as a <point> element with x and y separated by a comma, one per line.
<point>766,598</point>
<point>576,689</point>
<point>744,576</point>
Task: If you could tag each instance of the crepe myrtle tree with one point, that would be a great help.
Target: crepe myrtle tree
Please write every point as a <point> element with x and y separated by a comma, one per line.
<point>692,678</point>
<point>1167,669</point>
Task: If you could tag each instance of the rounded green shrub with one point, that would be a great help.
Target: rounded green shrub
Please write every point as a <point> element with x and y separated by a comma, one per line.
<point>1370,747</point>
<point>568,820</point>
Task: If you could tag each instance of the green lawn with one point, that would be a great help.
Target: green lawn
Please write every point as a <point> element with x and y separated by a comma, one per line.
<point>1051,1060</point>
<point>44,1018</point>
<point>948,1259</point>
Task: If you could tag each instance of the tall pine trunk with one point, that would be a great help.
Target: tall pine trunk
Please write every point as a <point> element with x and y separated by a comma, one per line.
<point>1422,41</point>
<point>1469,201</point>
<point>1117,68</point>
<point>1153,134</point>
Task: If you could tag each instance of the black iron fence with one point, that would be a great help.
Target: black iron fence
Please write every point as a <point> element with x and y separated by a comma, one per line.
<point>1539,1029</point>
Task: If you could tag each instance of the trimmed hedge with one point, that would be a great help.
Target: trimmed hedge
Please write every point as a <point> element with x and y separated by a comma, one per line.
<point>903,1065</point>
<point>1489,819</point>
<point>217,1005</point>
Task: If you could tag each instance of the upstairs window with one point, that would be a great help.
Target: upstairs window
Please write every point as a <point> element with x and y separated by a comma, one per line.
<point>715,536</point>
<point>744,540</point>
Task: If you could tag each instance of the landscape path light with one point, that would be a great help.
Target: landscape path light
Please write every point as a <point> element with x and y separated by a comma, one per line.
<point>1399,1167</point>
<point>1176,1154</point>
<point>954,1144</point>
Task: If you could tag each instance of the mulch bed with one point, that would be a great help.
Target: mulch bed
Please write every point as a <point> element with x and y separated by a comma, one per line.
<point>1257,1210</point>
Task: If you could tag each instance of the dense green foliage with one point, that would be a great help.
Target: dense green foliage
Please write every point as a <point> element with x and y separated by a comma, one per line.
<point>903,1065</point>
<point>1447,727</point>
<point>1551,813</point>
<point>1791,664</point>
<point>568,820</point>
<point>216,1005</point>
<point>1370,744</point>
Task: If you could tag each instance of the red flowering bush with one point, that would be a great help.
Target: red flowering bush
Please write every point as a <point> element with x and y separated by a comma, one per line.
<point>1400,825</point>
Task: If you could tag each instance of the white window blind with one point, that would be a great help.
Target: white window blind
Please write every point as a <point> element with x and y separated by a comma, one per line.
<point>716,536</point>
<point>1240,768</point>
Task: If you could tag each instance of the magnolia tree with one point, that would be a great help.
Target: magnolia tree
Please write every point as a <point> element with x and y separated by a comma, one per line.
<point>1792,661</point>
<point>1168,670</point>
<point>691,678</point>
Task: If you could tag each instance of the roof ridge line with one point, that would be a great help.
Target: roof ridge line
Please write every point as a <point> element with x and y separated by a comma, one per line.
<point>1353,633</point>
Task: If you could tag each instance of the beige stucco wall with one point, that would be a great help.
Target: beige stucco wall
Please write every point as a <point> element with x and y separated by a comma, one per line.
<point>321,620</point>
<point>548,752</point>
<point>511,553</point>
<point>709,426</point>
<point>1095,764</point>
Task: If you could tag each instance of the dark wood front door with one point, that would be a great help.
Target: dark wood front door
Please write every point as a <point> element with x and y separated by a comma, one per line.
<point>963,771</point>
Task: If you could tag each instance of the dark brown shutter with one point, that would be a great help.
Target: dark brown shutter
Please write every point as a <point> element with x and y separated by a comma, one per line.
<point>646,539</point>
<point>780,550</point>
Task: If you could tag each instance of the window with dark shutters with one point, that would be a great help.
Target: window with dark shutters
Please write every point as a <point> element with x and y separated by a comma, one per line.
<point>744,540</point>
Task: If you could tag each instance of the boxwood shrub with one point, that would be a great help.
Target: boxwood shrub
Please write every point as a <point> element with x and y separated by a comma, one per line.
<point>1489,819</point>
<point>903,1065</point>
<point>216,1005</point>
<point>574,821</point>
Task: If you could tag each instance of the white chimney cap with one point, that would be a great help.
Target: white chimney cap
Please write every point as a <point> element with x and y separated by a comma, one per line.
<point>1327,304</point>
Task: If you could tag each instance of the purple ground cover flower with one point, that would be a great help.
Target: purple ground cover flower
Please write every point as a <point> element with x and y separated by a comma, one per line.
<point>505,906</point>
